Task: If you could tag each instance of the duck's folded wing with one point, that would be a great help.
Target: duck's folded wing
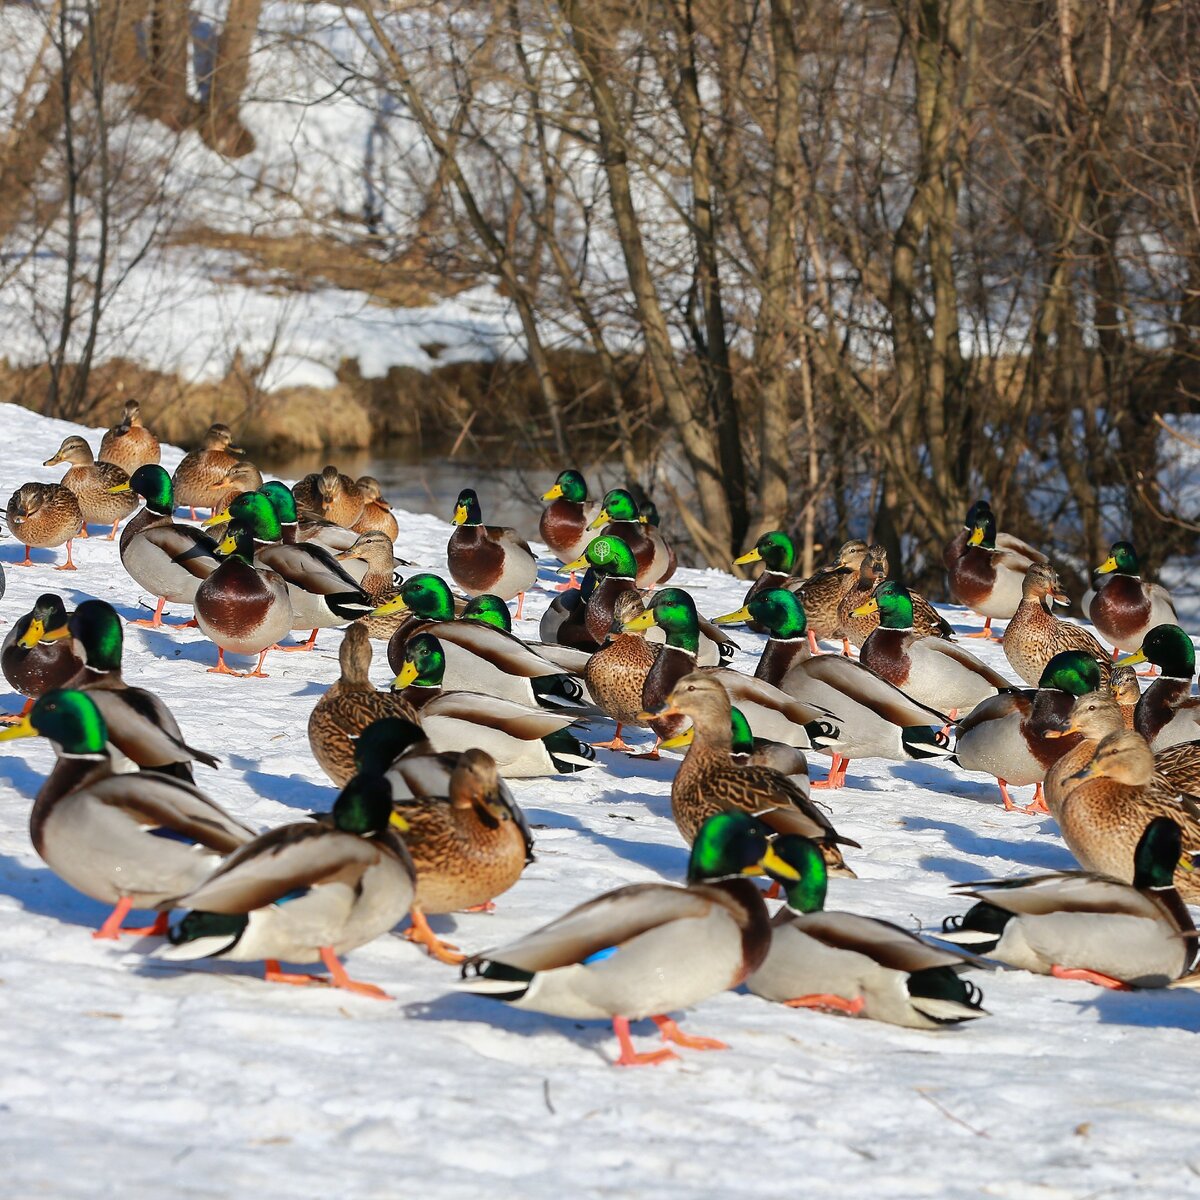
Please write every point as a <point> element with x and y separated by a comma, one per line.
<point>1068,891</point>
<point>996,708</point>
<point>311,568</point>
<point>502,650</point>
<point>190,548</point>
<point>743,688</point>
<point>491,712</point>
<point>159,801</point>
<point>887,944</point>
<point>143,718</point>
<point>966,659</point>
<point>868,689</point>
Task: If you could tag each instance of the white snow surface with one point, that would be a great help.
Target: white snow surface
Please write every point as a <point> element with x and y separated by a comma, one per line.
<point>124,1075</point>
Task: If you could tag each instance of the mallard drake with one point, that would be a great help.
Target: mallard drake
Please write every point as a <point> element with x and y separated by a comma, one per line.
<point>93,483</point>
<point>1034,635</point>
<point>930,670</point>
<point>348,707</point>
<point>242,608</point>
<point>1078,925</point>
<point>1126,608</point>
<point>562,621</point>
<point>777,552</point>
<point>140,726</point>
<point>841,962</point>
<point>648,512</point>
<point>986,577</point>
<point>330,496</point>
<point>874,719</point>
<point>132,840</point>
<point>332,536</point>
<point>170,561</point>
<point>306,892</point>
<point>646,949</point>
<point>1018,735</point>
<point>708,781</point>
<point>619,517</point>
<point>565,522</point>
<point>871,573</point>
<point>199,480</point>
<point>1123,683</point>
<point>377,515</point>
<point>977,514</point>
<point>321,592</point>
<point>468,846</point>
<point>37,656</point>
<point>1167,712</point>
<point>44,515</point>
<point>129,444</point>
<point>821,593</point>
<point>616,674</point>
<point>488,558</point>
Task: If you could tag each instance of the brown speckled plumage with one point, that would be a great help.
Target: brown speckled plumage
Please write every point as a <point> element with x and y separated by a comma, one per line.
<point>199,480</point>
<point>92,482</point>
<point>821,593</point>
<point>616,674</point>
<point>330,496</point>
<point>44,514</point>
<point>377,514</point>
<point>129,444</point>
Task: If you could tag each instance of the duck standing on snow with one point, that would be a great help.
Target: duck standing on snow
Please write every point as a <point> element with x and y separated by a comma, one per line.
<point>822,592</point>
<point>1126,608</point>
<point>377,515</point>
<point>37,655</point>
<point>199,480</point>
<point>616,674</point>
<point>988,574</point>
<point>566,520</point>
<point>131,840</point>
<point>646,949</point>
<point>129,444</point>
<point>330,496</point>
<point>1167,713</point>
<point>488,558</point>
<point>44,515</point>
<point>93,484</point>
<point>619,517</point>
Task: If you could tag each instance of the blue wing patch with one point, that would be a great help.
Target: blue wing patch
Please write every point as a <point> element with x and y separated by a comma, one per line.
<point>600,955</point>
<point>170,835</point>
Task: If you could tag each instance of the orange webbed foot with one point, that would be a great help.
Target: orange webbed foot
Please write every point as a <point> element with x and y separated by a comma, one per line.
<point>828,1003</point>
<point>1083,975</point>
<point>672,1033</point>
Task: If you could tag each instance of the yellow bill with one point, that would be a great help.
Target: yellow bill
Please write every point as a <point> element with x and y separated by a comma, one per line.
<point>1138,656</point>
<point>776,865</point>
<point>734,618</point>
<point>388,607</point>
<point>408,674</point>
<point>398,822</point>
<point>22,729</point>
<point>976,537</point>
<point>1107,566</point>
<point>602,518</point>
<point>580,564</point>
<point>680,740</point>
<point>460,515</point>
<point>644,620</point>
<point>554,493</point>
<point>228,544</point>
<point>121,487</point>
<point>218,518</point>
<point>865,610</point>
<point>749,557</point>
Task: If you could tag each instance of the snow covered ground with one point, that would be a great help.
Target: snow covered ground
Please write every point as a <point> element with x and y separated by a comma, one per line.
<point>122,1075</point>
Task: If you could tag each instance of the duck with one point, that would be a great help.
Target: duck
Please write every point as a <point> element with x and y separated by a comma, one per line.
<point>777,552</point>
<point>372,561</point>
<point>37,655</point>
<point>977,514</point>
<point>821,593</point>
<point>1126,608</point>
<point>242,608</point>
<point>92,483</point>
<point>1123,683</point>
<point>871,573</point>
<point>488,558</point>
<point>348,707</point>
<point>377,515</point>
<point>329,534</point>
<point>44,515</point>
<point>1034,635</point>
<point>170,561</point>
<point>243,477</point>
<point>306,892</point>
<point>1085,926</point>
<point>859,966</point>
<point>132,840</point>
<point>646,949</point>
<point>199,480</point>
<point>619,517</point>
<point>525,742</point>
<point>141,728</point>
<point>129,444</point>
<point>562,623</point>
<point>1167,713</point>
<point>708,781</point>
<point>616,674</point>
<point>987,577</point>
<point>469,846</point>
<point>321,592</point>
<point>1017,736</point>
<point>479,657</point>
<point>566,520</point>
<point>649,514</point>
<point>932,671</point>
<point>874,719</point>
<point>330,496</point>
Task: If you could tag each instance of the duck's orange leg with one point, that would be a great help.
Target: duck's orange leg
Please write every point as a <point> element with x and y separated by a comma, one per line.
<point>831,780</point>
<point>629,1056</point>
<point>258,672</point>
<point>812,643</point>
<point>618,742</point>
<point>1009,806</point>
<point>828,1003</point>
<point>1085,976</point>
<point>985,632</point>
<point>27,561</point>
<point>221,668</point>
<point>112,537</point>
<point>1039,801</point>
<point>672,1033</point>
<point>69,565</point>
<point>158,929</point>
<point>272,974</point>
<point>420,933</point>
<point>312,641</point>
<point>111,929</point>
<point>341,980</point>
<point>566,587</point>
<point>83,533</point>
<point>650,755</point>
<point>520,605</point>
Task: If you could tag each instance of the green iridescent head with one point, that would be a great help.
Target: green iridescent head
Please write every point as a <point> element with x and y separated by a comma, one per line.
<point>569,485</point>
<point>977,514</point>
<point>428,596</point>
<point>424,662</point>
<point>466,508</point>
<point>674,611</point>
<point>895,605</point>
<point>806,894</point>
<point>780,613</point>
<point>1122,558</point>
<point>487,609</point>
<point>1169,648</point>
<point>67,718</point>
<point>1157,854</point>
<point>258,512</point>
<point>743,737</point>
<point>280,497</point>
<point>1071,671</point>
<point>777,550</point>
<point>382,742</point>
<point>728,845</point>
<point>611,557</point>
<point>97,628</point>
<point>153,484</point>
<point>619,505</point>
<point>364,806</point>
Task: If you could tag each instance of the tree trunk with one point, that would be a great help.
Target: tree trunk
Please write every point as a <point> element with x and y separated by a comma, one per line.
<point>222,126</point>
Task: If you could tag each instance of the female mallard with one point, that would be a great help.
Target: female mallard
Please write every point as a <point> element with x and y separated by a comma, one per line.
<point>646,949</point>
<point>132,840</point>
<point>170,561</point>
<point>468,846</point>
<point>871,573</point>
<point>1126,608</point>
<point>821,593</point>
<point>372,562</point>
<point>322,594</point>
<point>1167,712</point>
<point>986,577</point>
<point>377,515</point>
<point>1018,735</point>
<point>1077,925</point>
<point>873,718</point>
<point>616,674</point>
<point>93,483</point>
<point>37,655</point>
<point>348,707</point>
<point>619,517</point>
<point>129,444</point>
<point>243,477</point>
<point>708,781</point>
<point>306,892</point>
<point>566,521</point>
<point>1034,635</point>
<point>841,962</point>
<point>199,480</point>
<point>1123,683</point>
<point>242,608</point>
<point>930,670</point>
<point>330,496</point>
<point>488,558</point>
<point>44,515</point>
<point>140,726</point>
